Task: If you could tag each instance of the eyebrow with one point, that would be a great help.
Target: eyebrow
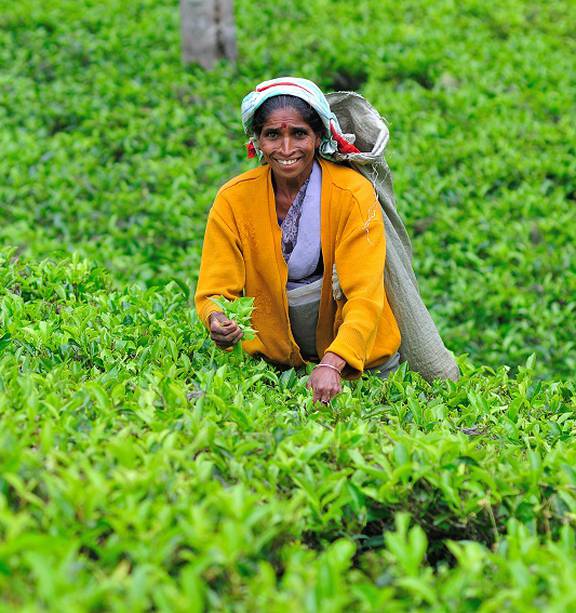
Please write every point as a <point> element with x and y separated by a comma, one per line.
<point>278,127</point>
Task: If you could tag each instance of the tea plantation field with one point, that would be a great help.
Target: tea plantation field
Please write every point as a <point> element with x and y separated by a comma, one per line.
<point>141,469</point>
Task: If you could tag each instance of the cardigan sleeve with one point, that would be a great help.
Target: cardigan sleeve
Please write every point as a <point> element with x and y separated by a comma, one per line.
<point>360,257</point>
<point>222,270</point>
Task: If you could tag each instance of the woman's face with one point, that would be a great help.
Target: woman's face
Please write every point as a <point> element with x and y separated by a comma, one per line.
<point>288,144</point>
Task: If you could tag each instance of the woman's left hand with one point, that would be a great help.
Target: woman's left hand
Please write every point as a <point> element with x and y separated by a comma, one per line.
<point>325,381</point>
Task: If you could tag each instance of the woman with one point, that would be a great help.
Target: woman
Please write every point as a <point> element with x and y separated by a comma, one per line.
<point>281,232</point>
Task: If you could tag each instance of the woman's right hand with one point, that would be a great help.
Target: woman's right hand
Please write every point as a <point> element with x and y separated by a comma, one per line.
<point>223,331</point>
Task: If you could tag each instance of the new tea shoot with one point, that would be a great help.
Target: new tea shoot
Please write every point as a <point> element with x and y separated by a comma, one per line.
<point>239,311</point>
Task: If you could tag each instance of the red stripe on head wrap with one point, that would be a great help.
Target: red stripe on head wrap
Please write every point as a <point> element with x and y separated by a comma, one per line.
<point>262,89</point>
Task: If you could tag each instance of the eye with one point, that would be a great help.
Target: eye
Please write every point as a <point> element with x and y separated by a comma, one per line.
<point>271,133</point>
<point>301,132</point>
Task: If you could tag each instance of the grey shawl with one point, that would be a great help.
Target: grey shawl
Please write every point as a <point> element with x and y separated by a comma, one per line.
<point>421,346</point>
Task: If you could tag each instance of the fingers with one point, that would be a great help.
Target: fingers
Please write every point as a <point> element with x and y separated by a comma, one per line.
<point>226,340</point>
<point>223,331</point>
<point>325,384</point>
<point>230,334</point>
<point>325,396</point>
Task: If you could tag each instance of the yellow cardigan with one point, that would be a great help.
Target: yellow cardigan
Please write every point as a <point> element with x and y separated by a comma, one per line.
<point>242,255</point>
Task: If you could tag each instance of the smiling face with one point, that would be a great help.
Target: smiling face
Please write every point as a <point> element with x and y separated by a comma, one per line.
<point>288,144</point>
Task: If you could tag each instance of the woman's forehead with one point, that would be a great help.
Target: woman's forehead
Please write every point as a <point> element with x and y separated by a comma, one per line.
<point>285,117</point>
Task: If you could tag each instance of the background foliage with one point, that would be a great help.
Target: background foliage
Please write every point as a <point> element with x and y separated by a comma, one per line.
<point>139,469</point>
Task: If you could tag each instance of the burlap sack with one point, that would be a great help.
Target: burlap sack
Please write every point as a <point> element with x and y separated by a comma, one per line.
<point>421,346</point>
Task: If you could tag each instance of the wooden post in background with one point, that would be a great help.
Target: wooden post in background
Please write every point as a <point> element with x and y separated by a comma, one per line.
<point>208,31</point>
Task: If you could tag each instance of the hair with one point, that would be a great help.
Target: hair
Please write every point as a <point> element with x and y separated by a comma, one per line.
<point>284,101</point>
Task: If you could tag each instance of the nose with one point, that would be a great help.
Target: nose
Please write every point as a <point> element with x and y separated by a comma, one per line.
<point>286,145</point>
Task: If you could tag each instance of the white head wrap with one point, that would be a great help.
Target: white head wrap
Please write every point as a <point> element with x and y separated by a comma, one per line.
<point>332,140</point>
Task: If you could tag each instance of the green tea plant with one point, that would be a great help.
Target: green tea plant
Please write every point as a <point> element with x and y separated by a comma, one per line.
<point>141,470</point>
<point>240,311</point>
<point>136,471</point>
<point>112,149</point>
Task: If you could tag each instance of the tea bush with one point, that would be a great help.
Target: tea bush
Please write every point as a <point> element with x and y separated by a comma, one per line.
<point>141,468</point>
<point>111,149</point>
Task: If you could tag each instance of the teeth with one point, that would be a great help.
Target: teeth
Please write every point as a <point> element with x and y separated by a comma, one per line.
<point>287,162</point>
